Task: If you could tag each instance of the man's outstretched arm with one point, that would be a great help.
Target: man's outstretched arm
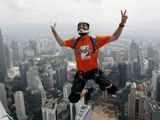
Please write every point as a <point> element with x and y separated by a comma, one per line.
<point>57,37</point>
<point>119,30</point>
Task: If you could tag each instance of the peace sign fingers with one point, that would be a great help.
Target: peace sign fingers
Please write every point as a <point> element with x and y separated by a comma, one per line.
<point>124,16</point>
<point>123,13</point>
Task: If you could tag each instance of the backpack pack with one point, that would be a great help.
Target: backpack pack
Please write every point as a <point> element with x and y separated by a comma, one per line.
<point>93,40</point>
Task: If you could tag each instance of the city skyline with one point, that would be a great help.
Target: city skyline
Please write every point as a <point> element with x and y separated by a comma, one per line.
<point>40,80</point>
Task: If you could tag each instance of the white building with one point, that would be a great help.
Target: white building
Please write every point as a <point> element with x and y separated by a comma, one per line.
<point>67,90</point>
<point>20,106</point>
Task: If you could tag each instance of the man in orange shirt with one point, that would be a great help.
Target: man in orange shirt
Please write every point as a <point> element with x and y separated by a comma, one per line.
<point>86,49</point>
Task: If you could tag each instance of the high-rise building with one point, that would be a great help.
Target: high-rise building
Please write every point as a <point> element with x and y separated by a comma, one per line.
<point>15,53</point>
<point>152,110</point>
<point>72,111</point>
<point>84,113</point>
<point>153,54</point>
<point>154,84</point>
<point>33,79</point>
<point>122,67</point>
<point>158,89</point>
<point>63,110</point>
<point>131,105</point>
<point>71,71</point>
<point>49,110</point>
<point>3,96</point>
<point>49,76</point>
<point>136,61</point>
<point>7,56</point>
<point>33,102</point>
<point>20,106</point>
<point>23,67</point>
<point>61,73</point>
<point>3,113</point>
<point>33,46</point>
<point>3,68</point>
<point>136,103</point>
<point>67,90</point>
<point>75,108</point>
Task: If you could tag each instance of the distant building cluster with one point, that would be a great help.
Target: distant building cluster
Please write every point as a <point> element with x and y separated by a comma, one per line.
<point>36,79</point>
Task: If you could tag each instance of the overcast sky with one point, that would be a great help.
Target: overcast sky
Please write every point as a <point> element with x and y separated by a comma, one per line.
<point>143,15</point>
<point>45,11</point>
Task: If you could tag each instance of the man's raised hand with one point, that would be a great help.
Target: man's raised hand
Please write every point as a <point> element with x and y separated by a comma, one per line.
<point>53,27</point>
<point>124,17</point>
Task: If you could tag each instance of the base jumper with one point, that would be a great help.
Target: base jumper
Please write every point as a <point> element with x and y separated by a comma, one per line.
<point>86,49</point>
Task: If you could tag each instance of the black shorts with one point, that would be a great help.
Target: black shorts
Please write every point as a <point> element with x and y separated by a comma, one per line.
<point>81,78</point>
<point>80,81</point>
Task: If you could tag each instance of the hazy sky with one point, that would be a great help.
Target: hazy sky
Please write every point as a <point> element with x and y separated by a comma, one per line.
<point>103,15</point>
<point>45,11</point>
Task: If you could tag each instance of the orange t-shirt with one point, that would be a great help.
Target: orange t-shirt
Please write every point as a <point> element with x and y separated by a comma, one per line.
<point>86,59</point>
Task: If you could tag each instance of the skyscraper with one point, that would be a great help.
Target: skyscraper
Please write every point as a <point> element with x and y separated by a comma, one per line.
<point>15,53</point>
<point>84,113</point>
<point>33,102</point>
<point>158,89</point>
<point>7,56</point>
<point>136,103</point>
<point>49,110</point>
<point>154,84</point>
<point>131,105</point>
<point>49,77</point>
<point>61,73</point>
<point>20,106</point>
<point>23,67</point>
<point>3,113</point>
<point>122,74</point>
<point>67,90</point>
<point>3,68</point>
<point>152,110</point>
<point>33,79</point>
<point>136,61</point>
<point>3,96</point>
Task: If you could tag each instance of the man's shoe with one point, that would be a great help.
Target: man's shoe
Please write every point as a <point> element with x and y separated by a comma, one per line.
<point>88,95</point>
<point>112,90</point>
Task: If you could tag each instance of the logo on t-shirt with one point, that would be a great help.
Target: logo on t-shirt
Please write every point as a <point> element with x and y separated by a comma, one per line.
<point>84,51</point>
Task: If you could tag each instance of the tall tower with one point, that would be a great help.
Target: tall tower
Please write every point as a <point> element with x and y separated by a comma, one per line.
<point>67,90</point>
<point>136,103</point>
<point>49,111</point>
<point>3,69</point>
<point>15,53</point>
<point>3,96</point>
<point>61,74</point>
<point>20,106</point>
<point>7,56</point>
<point>154,84</point>
<point>136,61</point>
<point>33,79</point>
<point>131,105</point>
<point>23,74</point>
